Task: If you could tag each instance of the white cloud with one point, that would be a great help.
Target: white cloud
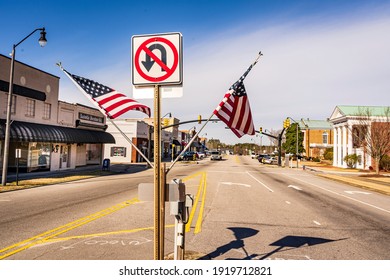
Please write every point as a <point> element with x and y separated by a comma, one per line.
<point>307,69</point>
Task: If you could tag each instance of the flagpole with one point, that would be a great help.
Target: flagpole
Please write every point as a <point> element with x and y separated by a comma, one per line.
<point>104,113</point>
<point>257,59</point>
<point>193,138</point>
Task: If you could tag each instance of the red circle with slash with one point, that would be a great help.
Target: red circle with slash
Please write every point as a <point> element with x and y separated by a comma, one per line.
<point>169,71</point>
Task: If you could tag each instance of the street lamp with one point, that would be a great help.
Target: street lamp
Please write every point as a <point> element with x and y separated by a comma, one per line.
<point>42,42</point>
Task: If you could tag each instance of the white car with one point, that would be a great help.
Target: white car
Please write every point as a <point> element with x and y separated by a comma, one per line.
<point>215,155</point>
<point>270,160</point>
<point>201,155</point>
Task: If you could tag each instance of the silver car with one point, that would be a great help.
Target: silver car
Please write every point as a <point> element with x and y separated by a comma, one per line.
<point>215,155</point>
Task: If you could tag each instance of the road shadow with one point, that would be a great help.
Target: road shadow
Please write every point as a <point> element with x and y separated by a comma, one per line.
<point>290,242</point>
<point>240,233</point>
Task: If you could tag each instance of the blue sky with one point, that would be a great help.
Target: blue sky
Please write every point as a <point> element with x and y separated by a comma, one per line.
<point>317,54</point>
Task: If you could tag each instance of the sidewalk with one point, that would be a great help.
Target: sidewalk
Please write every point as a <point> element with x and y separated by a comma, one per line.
<point>35,179</point>
<point>365,180</point>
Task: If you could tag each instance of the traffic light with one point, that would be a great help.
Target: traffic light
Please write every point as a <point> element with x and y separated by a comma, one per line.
<point>165,122</point>
<point>261,129</point>
<point>199,119</point>
<point>286,123</point>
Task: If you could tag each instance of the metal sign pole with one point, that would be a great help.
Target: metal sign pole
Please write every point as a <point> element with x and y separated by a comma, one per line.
<point>162,210</point>
<point>157,172</point>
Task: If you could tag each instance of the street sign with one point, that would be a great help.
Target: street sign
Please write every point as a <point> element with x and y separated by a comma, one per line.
<point>18,153</point>
<point>157,59</point>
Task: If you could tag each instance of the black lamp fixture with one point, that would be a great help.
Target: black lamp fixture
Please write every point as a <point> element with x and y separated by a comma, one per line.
<point>42,40</point>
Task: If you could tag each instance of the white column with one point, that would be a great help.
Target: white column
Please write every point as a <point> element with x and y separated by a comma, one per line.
<point>335,146</point>
<point>350,144</point>
<point>344,128</point>
<point>339,146</point>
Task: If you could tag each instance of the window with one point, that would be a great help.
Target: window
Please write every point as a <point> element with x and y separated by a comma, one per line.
<point>118,151</point>
<point>325,137</point>
<point>46,111</point>
<point>30,108</point>
<point>359,134</point>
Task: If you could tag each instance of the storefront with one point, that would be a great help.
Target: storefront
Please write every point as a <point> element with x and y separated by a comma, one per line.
<point>49,147</point>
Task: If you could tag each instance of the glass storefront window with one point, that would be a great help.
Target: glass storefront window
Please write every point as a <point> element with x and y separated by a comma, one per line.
<point>93,153</point>
<point>39,156</point>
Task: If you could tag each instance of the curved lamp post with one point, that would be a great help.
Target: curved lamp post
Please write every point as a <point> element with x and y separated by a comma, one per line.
<point>42,42</point>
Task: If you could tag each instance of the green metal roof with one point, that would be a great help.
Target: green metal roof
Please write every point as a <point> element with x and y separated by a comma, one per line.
<point>314,124</point>
<point>377,111</point>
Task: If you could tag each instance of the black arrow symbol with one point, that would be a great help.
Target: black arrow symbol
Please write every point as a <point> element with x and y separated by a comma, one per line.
<point>148,63</point>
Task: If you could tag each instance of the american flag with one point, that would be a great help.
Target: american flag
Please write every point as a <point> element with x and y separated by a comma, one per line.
<point>112,102</point>
<point>234,109</point>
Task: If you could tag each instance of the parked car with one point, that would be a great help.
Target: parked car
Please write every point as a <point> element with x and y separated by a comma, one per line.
<point>270,160</point>
<point>189,155</point>
<point>201,155</point>
<point>261,157</point>
<point>215,155</point>
<point>253,155</point>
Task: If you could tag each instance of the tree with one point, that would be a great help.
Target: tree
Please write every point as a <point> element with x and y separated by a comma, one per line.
<point>213,144</point>
<point>290,146</point>
<point>372,133</point>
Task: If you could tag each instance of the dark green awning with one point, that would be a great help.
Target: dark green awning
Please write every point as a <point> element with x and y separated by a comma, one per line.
<point>34,132</point>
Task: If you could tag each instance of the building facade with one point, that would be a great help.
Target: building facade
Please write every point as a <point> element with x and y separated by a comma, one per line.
<point>346,121</point>
<point>317,137</point>
<point>50,134</point>
<point>138,131</point>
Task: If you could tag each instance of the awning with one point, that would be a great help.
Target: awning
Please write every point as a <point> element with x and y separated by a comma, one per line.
<point>195,145</point>
<point>175,142</point>
<point>34,132</point>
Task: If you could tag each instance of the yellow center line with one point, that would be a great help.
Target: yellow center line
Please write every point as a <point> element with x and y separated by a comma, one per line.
<point>49,236</point>
<point>201,191</point>
<point>25,244</point>
<point>198,226</point>
<point>52,240</point>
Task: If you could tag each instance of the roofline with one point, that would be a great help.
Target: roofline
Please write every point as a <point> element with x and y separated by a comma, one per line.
<point>31,66</point>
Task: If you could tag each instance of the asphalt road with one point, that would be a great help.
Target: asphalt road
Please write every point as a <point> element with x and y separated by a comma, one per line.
<point>242,210</point>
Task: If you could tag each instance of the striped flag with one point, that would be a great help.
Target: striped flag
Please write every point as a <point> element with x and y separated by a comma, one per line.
<point>112,102</point>
<point>234,109</point>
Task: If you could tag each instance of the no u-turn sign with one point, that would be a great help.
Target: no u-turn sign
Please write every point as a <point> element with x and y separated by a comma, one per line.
<point>157,59</point>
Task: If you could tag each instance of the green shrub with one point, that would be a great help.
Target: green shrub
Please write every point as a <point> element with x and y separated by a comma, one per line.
<point>385,163</point>
<point>328,155</point>
<point>351,160</point>
<point>316,159</point>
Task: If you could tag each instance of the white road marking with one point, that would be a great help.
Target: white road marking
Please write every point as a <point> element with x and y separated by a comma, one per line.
<point>264,185</point>
<point>348,197</point>
<point>288,202</point>
<point>355,192</point>
<point>294,187</point>
<point>238,184</point>
<point>317,223</point>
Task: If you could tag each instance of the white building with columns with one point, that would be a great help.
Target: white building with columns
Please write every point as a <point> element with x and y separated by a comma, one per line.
<point>343,119</point>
